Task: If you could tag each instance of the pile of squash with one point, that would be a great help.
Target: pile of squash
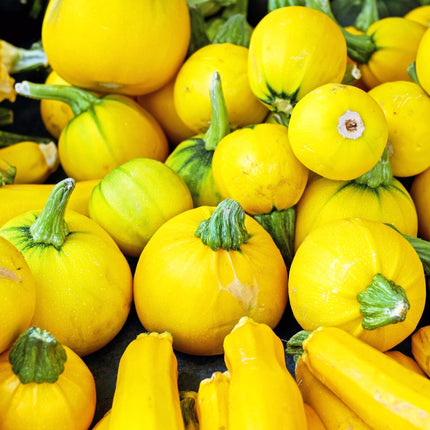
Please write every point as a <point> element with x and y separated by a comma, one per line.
<point>214,175</point>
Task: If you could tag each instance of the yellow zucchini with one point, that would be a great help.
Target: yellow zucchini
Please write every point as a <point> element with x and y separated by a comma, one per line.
<point>146,393</point>
<point>407,361</point>
<point>421,348</point>
<point>386,395</point>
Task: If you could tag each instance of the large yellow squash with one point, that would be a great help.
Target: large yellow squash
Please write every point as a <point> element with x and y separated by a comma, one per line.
<point>129,47</point>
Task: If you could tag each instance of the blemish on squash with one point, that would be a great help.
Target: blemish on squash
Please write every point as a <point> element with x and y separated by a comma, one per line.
<point>9,274</point>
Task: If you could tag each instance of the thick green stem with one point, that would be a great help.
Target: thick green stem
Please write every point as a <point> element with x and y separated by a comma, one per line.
<point>380,174</point>
<point>7,173</point>
<point>37,357</point>
<point>22,60</point>
<point>225,228</point>
<point>281,225</point>
<point>235,30</point>
<point>295,343</point>
<point>367,16</point>
<point>422,248</point>
<point>188,410</point>
<point>220,125</point>
<point>6,116</point>
<point>50,228</point>
<point>199,37</point>
<point>79,100</point>
<point>382,303</point>
<point>8,138</point>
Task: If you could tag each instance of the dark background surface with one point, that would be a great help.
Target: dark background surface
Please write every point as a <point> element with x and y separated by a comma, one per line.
<point>18,28</point>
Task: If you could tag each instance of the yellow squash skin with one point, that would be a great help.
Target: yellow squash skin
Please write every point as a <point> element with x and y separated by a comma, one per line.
<point>405,360</point>
<point>191,89</point>
<point>397,40</point>
<point>420,14</point>
<point>146,393</point>
<point>92,144</point>
<point>161,105</point>
<point>422,62</point>
<point>339,260</point>
<point>55,114</point>
<point>136,198</point>
<point>84,43</point>
<point>288,57</point>
<point>66,404</point>
<point>387,395</point>
<point>421,349</point>
<point>212,401</point>
<point>17,294</point>
<point>17,199</point>
<point>325,200</point>
<point>103,423</point>
<point>406,107</point>
<point>262,395</point>
<point>333,413</point>
<point>338,131</point>
<point>313,420</point>
<point>257,167</point>
<point>177,276</point>
<point>421,197</point>
<point>34,162</point>
<point>83,286</point>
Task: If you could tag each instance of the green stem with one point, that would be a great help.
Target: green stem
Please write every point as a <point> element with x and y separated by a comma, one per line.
<point>235,30</point>
<point>6,116</point>
<point>199,37</point>
<point>380,174</point>
<point>188,411</point>
<point>22,60</point>
<point>7,173</point>
<point>281,225</point>
<point>421,246</point>
<point>382,303</point>
<point>37,357</point>
<point>367,16</point>
<point>351,75</point>
<point>79,100</point>
<point>220,125</point>
<point>8,138</point>
<point>225,228</point>
<point>295,343</point>
<point>50,228</point>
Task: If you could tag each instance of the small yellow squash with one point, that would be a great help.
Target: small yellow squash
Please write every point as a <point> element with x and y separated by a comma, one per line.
<point>17,294</point>
<point>105,132</point>
<point>422,62</point>
<point>376,195</point>
<point>288,57</point>
<point>136,198</point>
<point>338,131</point>
<point>405,360</point>
<point>217,259</point>
<point>421,197</point>
<point>262,395</point>
<point>386,395</point>
<point>44,385</point>
<point>191,90</point>
<point>359,275</point>
<point>406,107</point>
<point>124,47</point>
<point>83,281</point>
<point>313,420</point>
<point>420,14</point>
<point>421,348</point>
<point>146,393</point>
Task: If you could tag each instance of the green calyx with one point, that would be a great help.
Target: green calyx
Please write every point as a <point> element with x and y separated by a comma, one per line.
<point>220,125</point>
<point>379,175</point>
<point>235,30</point>
<point>199,37</point>
<point>50,228</point>
<point>295,343</point>
<point>37,357</point>
<point>7,173</point>
<point>382,303</point>
<point>281,227</point>
<point>79,100</point>
<point>225,228</point>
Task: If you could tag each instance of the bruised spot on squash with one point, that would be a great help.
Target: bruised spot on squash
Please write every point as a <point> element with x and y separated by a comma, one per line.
<point>9,274</point>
